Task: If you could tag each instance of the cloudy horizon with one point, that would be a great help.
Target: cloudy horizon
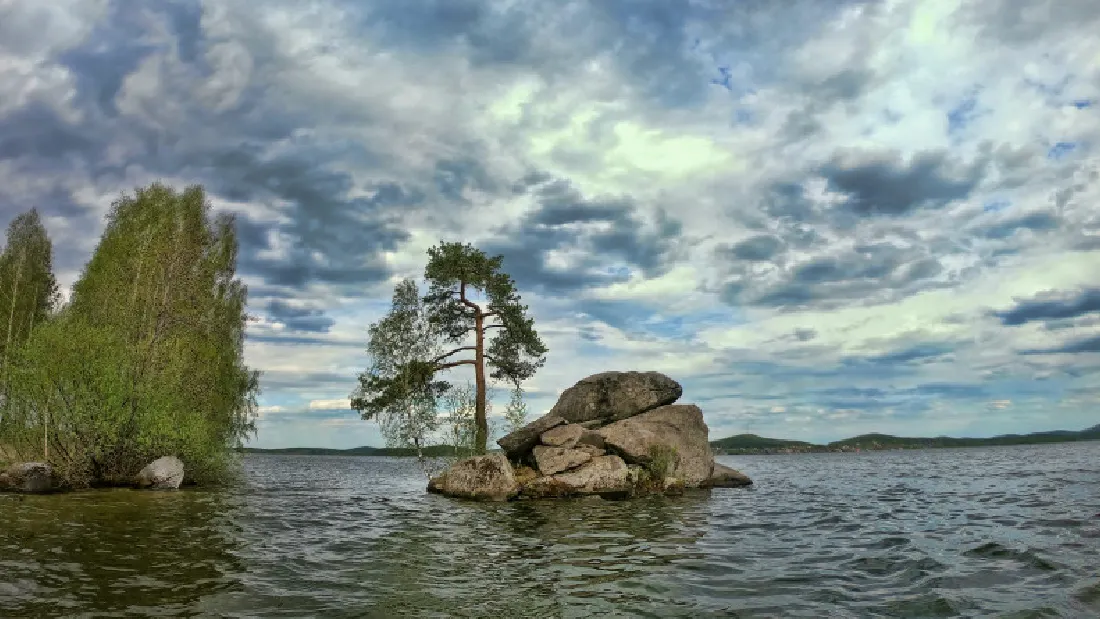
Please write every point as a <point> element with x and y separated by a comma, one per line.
<point>822,218</point>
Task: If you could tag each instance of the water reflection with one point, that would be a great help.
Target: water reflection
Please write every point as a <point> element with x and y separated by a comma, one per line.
<point>115,551</point>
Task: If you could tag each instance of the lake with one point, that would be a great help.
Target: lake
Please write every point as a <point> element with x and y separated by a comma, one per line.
<point>1006,531</point>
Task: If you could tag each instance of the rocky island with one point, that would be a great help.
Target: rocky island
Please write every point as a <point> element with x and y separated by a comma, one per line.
<point>614,434</point>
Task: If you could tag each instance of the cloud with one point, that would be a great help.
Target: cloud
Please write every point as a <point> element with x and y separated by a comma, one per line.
<point>1052,306</point>
<point>873,216</point>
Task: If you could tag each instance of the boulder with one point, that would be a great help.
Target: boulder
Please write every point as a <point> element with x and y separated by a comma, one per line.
<point>522,440</point>
<point>484,478</point>
<point>611,396</point>
<point>552,460</point>
<point>591,450</point>
<point>675,433</point>
<point>725,477</point>
<point>29,477</point>
<point>565,436</point>
<point>164,473</point>
<point>591,438</point>
<point>603,475</point>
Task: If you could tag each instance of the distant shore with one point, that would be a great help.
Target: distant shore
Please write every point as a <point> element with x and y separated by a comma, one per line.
<point>751,444</point>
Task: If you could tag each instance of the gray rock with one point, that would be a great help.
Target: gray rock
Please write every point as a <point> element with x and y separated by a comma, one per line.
<point>522,440</point>
<point>484,478</point>
<point>164,473</point>
<point>725,477</point>
<point>29,477</point>
<point>565,436</point>
<point>552,460</point>
<point>591,438</point>
<point>603,475</point>
<point>679,427</point>
<point>592,450</point>
<point>612,396</point>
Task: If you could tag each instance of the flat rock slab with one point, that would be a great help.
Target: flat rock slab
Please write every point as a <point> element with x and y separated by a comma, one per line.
<point>611,396</point>
<point>605,474</point>
<point>165,473</point>
<point>725,477</point>
<point>565,436</point>
<point>679,427</point>
<point>484,478</point>
<point>552,460</point>
<point>522,440</point>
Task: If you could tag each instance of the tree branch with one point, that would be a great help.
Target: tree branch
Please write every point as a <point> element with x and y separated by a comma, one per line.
<point>498,326</point>
<point>448,354</point>
<point>464,300</point>
<point>454,364</point>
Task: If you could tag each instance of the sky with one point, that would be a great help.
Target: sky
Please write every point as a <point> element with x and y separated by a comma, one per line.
<point>823,218</point>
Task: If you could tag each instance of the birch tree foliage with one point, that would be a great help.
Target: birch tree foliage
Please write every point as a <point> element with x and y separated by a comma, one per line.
<point>398,389</point>
<point>28,289</point>
<point>160,294</point>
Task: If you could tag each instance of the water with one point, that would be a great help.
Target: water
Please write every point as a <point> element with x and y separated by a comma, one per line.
<point>1012,532</point>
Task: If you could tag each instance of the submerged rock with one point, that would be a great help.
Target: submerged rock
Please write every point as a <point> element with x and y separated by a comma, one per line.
<point>522,440</point>
<point>484,478</point>
<point>165,473</point>
<point>675,434</point>
<point>28,477</point>
<point>611,396</point>
<point>725,477</point>
<point>552,460</point>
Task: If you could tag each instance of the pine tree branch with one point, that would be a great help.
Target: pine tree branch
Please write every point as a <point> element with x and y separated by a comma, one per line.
<point>448,354</point>
<point>454,364</point>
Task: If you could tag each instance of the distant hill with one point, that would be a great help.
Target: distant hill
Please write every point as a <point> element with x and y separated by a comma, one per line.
<point>431,451</point>
<point>753,444</point>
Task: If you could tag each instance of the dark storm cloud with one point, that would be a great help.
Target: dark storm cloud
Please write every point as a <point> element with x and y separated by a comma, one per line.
<point>885,184</point>
<point>1052,307</point>
<point>758,248</point>
<point>331,231</point>
<point>805,335</point>
<point>1036,222</point>
<point>564,221</point>
<point>917,353</point>
<point>297,318</point>
<point>1012,22</point>
<point>1084,345</point>
<point>868,271</point>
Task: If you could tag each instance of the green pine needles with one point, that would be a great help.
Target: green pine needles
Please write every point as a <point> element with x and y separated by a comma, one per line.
<point>471,315</point>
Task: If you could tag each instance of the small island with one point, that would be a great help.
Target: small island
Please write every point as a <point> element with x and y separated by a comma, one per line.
<point>614,435</point>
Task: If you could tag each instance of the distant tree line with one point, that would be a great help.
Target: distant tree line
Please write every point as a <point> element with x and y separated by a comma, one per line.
<point>145,359</point>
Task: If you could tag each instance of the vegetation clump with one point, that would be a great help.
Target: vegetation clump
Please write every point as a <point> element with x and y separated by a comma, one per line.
<point>145,360</point>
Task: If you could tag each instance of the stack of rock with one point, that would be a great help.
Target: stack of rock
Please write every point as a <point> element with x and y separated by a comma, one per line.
<point>615,434</point>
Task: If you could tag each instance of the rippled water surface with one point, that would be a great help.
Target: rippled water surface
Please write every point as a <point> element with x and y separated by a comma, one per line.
<point>1011,532</point>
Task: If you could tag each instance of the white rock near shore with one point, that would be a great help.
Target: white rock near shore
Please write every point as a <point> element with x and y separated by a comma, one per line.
<point>614,434</point>
<point>165,473</point>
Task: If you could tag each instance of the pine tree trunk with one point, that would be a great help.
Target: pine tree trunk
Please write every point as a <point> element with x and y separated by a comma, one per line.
<point>482,434</point>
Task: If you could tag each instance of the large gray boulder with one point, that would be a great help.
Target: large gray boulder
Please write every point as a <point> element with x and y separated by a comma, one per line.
<point>550,460</point>
<point>611,396</point>
<point>29,477</point>
<point>725,477</point>
<point>675,434</point>
<point>164,473</point>
<point>522,440</point>
<point>484,478</point>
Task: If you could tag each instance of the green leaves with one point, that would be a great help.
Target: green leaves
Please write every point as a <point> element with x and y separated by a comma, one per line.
<point>147,359</point>
<point>449,327</point>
